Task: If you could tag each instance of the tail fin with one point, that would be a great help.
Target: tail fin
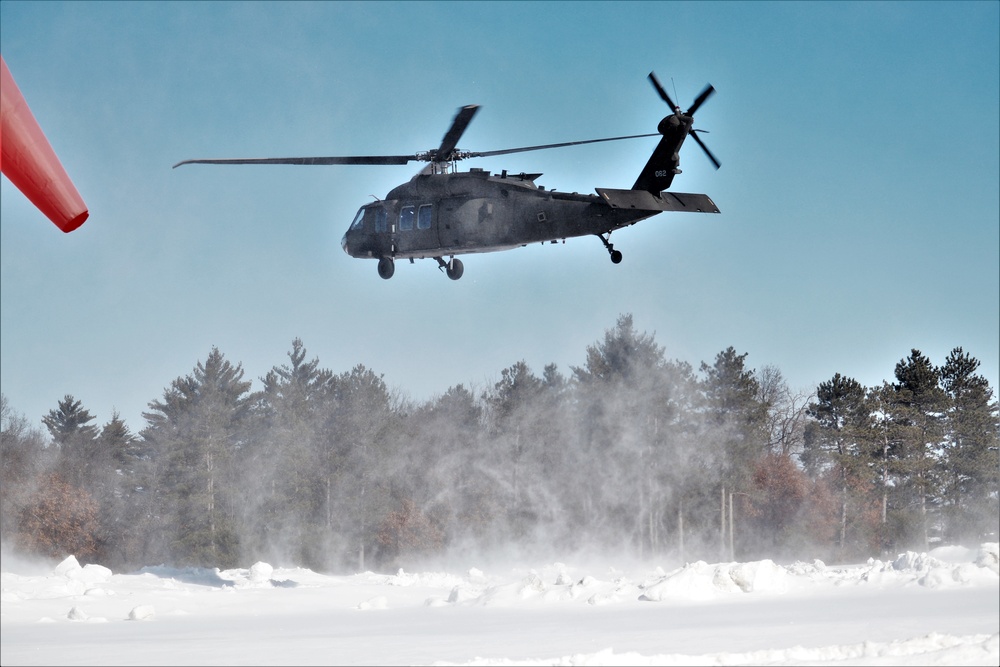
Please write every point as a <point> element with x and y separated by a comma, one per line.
<point>665,161</point>
<point>661,168</point>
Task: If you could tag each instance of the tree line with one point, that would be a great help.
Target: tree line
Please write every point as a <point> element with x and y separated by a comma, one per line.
<point>630,453</point>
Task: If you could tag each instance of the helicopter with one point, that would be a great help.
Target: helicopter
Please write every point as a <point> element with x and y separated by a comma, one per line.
<point>443,212</point>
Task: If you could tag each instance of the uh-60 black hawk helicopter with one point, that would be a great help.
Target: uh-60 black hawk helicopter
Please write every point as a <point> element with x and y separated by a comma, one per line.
<point>442,212</point>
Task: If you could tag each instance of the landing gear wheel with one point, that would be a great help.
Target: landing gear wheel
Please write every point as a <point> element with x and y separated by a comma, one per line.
<point>455,269</point>
<point>386,267</point>
<point>616,256</point>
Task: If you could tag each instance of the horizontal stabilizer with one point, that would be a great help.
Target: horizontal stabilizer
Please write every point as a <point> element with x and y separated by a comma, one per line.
<point>667,201</point>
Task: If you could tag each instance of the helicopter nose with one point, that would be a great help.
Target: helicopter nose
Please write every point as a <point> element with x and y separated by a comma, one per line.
<point>343,244</point>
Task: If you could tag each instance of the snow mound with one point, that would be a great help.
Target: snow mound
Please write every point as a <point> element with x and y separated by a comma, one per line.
<point>260,573</point>
<point>143,612</point>
<point>989,557</point>
<point>761,575</point>
<point>701,581</point>
<point>77,614</point>
<point>379,602</point>
<point>948,566</point>
<point>70,564</point>
<point>88,574</point>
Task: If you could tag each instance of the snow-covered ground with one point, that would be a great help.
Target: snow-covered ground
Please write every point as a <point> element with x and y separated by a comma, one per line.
<point>941,607</point>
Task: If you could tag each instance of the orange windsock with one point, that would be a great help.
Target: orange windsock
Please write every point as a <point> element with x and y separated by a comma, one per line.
<point>27,159</point>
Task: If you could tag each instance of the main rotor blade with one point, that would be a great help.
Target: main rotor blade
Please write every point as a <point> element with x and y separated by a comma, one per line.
<point>508,151</point>
<point>356,159</point>
<point>705,94</point>
<point>462,120</point>
<point>711,157</point>
<point>663,93</point>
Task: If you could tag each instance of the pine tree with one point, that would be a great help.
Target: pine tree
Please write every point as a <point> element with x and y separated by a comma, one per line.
<point>360,439</point>
<point>75,437</point>
<point>195,434</point>
<point>123,508</point>
<point>447,470</point>
<point>118,443</point>
<point>640,432</point>
<point>280,486</point>
<point>624,356</point>
<point>917,407</point>
<point>970,462</point>
<point>625,400</point>
<point>735,430</point>
<point>516,420</point>
<point>839,438</point>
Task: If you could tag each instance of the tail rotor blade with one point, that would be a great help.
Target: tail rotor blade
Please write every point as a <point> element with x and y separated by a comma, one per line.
<point>705,94</point>
<point>694,135</point>
<point>662,92</point>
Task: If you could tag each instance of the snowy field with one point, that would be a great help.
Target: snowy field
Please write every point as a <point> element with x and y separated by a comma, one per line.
<point>942,607</point>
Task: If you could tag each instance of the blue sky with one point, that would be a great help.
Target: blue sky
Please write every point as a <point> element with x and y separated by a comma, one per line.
<point>859,188</point>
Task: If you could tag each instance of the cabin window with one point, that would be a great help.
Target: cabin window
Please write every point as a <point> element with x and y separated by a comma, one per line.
<point>359,220</point>
<point>381,220</point>
<point>424,216</point>
<point>406,218</point>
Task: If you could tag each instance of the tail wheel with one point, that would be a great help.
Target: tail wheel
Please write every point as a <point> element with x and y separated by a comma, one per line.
<point>616,255</point>
<point>386,267</point>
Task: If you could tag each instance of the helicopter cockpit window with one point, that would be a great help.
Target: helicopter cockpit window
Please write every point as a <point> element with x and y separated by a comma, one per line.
<point>359,220</point>
<point>424,216</point>
<point>381,220</point>
<point>406,218</point>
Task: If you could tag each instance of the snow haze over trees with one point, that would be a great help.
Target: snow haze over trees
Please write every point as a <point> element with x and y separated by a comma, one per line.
<point>630,453</point>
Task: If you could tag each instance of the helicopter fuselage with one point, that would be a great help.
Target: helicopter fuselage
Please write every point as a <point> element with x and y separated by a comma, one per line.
<point>442,212</point>
<point>436,215</point>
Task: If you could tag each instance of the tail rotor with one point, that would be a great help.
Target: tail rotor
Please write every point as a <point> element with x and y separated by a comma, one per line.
<point>686,118</point>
